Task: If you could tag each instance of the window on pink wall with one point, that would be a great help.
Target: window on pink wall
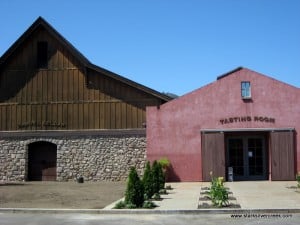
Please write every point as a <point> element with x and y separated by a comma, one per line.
<point>246,89</point>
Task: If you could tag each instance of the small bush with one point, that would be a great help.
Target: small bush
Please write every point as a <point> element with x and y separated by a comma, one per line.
<point>120,205</point>
<point>135,191</point>
<point>218,193</point>
<point>130,206</point>
<point>163,191</point>
<point>158,177</point>
<point>123,205</point>
<point>164,162</point>
<point>134,194</point>
<point>298,179</point>
<point>155,177</point>
<point>148,181</point>
<point>169,187</point>
<point>166,165</point>
<point>149,205</point>
<point>161,177</point>
<point>156,197</point>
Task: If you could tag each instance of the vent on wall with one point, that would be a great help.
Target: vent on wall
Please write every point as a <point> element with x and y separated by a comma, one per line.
<point>42,55</point>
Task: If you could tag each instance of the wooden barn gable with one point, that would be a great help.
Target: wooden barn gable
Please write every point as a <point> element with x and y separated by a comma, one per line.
<point>47,84</point>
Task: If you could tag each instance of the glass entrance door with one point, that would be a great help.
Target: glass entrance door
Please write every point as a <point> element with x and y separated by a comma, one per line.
<point>247,156</point>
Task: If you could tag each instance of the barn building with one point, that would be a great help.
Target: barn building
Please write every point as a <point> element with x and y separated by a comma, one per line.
<point>61,117</point>
<point>243,126</point>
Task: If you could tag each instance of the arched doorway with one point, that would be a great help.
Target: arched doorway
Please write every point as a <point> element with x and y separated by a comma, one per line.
<point>42,161</point>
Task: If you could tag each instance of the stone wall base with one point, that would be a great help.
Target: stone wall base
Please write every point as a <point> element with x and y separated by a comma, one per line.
<point>93,155</point>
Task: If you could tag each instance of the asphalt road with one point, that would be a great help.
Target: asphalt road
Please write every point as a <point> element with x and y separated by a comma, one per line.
<point>170,219</point>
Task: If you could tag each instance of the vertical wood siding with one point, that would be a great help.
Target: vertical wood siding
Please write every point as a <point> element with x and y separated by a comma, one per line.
<point>66,95</point>
<point>213,155</point>
<point>282,147</point>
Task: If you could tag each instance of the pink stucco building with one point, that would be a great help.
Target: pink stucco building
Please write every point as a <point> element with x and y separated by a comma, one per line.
<point>244,120</point>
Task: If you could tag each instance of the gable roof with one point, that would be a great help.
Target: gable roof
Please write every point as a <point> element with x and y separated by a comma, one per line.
<point>41,22</point>
<point>244,68</point>
<point>230,72</point>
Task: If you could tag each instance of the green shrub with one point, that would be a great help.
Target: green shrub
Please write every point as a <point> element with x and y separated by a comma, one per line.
<point>155,173</point>
<point>120,205</point>
<point>164,162</point>
<point>161,177</point>
<point>169,187</point>
<point>158,177</point>
<point>163,191</point>
<point>156,196</point>
<point>298,179</point>
<point>218,193</point>
<point>149,205</point>
<point>148,181</point>
<point>134,195</point>
<point>130,206</point>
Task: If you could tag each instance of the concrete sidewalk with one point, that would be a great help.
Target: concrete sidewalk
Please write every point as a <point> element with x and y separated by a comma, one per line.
<point>250,195</point>
<point>266,194</point>
<point>183,196</point>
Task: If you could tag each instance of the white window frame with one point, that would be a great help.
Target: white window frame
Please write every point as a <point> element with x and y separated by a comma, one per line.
<point>246,89</point>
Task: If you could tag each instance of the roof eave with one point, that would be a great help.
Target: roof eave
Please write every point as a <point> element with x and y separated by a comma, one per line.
<point>129,82</point>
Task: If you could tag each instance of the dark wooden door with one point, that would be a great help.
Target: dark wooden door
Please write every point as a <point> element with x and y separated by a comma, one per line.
<point>42,161</point>
<point>213,155</point>
<point>283,157</point>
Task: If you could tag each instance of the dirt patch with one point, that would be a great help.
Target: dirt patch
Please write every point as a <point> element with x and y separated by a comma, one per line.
<point>72,195</point>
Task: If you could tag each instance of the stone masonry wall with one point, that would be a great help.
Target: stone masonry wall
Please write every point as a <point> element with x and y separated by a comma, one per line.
<point>94,157</point>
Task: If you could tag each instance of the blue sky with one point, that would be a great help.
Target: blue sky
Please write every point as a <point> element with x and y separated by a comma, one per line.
<point>170,45</point>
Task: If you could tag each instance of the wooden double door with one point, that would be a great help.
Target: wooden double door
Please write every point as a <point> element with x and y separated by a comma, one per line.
<point>42,158</point>
<point>252,155</point>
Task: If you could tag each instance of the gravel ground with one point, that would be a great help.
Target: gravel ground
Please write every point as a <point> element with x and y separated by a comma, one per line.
<point>71,195</point>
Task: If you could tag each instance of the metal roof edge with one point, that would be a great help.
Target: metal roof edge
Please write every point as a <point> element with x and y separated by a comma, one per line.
<point>129,82</point>
<point>230,72</point>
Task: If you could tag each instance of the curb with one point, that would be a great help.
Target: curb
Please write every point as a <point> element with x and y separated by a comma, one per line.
<point>148,211</point>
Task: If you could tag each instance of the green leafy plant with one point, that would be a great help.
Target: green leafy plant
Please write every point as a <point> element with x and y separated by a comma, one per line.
<point>158,177</point>
<point>131,206</point>
<point>120,205</point>
<point>163,191</point>
<point>134,195</point>
<point>164,162</point>
<point>138,190</point>
<point>155,171</point>
<point>298,179</point>
<point>161,177</point>
<point>149,205</point>
<point>148,181</point>
<point>156,196</point>
<point>218,193</point>
<point>169,187</point>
